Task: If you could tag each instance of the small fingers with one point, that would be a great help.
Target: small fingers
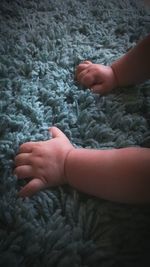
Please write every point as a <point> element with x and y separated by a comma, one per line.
<point>22,159</point>
<point>82,66</point>
<point>24,171</point>
<point>26,147</point>
<point>86,78</point>
<point>32,187</point>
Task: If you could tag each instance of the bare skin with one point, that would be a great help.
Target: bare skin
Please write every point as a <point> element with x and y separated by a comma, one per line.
<point>99,78</point>
<point>43,162</point>
<point>121,175</point>
<point>131,69</point>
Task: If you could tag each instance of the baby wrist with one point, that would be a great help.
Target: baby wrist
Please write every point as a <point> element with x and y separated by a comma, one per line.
<point>65,165</point>
<point>115,75</point>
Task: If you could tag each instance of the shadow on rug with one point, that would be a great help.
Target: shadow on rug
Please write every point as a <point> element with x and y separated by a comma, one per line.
<point>41,42</point>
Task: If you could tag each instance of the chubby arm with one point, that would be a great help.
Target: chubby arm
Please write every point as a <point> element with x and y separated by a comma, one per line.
<point>134,66</point>
<point>121,175</point>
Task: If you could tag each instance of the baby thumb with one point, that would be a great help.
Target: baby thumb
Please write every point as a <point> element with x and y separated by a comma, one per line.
<point>55,132</point>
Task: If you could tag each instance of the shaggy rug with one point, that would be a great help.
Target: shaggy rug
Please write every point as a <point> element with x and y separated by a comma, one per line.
<point>41,42</point>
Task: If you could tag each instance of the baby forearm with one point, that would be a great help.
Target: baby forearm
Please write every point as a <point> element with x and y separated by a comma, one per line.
<point>119,174</point>
<point>134,66</point>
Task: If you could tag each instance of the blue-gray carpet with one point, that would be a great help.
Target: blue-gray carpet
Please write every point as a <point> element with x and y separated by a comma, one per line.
<point>41,42</point>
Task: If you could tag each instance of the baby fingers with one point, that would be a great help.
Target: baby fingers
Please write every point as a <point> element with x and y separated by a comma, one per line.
<point>24,171</point>
<point>32,187</point>
<point>22,159</point>
<point>86,78</point>
<point>84,65</point>
<point>27,147</point>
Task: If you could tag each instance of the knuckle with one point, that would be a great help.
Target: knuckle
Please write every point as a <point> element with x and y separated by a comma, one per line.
<point>22,147</point>
<point>96,67</point>
<point>25,147</point>
<point>37,149</point>
<point>79,67</point>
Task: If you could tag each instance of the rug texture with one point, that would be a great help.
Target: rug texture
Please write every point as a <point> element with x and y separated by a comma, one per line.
<point>41,42</point>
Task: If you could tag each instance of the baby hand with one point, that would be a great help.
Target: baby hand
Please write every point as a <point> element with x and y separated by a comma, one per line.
<point>99,78</point>
<point>43,162</point>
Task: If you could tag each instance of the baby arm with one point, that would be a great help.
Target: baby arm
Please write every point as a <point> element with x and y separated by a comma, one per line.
<point>119,174</point>
<point>134,67</point>
<point>130,69</point>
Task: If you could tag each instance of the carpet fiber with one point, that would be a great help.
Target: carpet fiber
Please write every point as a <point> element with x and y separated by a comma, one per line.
<point>41,42</point>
